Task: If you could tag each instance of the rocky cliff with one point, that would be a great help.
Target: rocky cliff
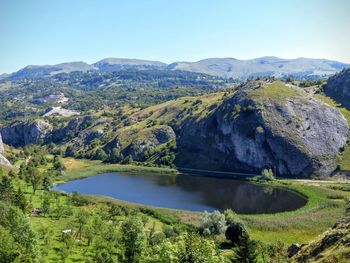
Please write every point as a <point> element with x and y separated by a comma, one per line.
<point>338,88</point>
<point>24,133</point>
<point>266,125</point>
<point>3,160</point>
<point>139,143</point>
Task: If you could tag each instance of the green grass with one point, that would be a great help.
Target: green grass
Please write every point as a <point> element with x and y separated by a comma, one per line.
<point>303,224</point>
<point>299,226</point>
<point>91,170</point>
<point>277,91</point>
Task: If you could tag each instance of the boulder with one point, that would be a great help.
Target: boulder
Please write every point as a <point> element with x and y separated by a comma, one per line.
<point>293,250</point>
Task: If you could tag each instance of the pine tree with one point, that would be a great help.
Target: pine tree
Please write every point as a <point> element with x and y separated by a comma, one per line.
<point>6,188</point>
<point>245,251</point>
<point>20,200</point>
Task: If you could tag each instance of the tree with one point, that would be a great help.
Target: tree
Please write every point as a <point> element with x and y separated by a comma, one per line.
<point>58,164</point>
<point>11,174</point>
<point>17,224</point>
<point>20,200</point>
<point>236,232</point>
<point>89,232</point>
<point>163,253</point>
<point>128,159</point>
<point>47,184</point>
<point>134,239</point>
<point>81,218</point>
<point>231,216</point>
<point>100,155</point>
<point>66,249</point>
<point>267,175</point>
<point>213,223</point>
<point>6,188</point>
<point>194,249</point>
<point>8,247</point>
<point>103,256</point>
<point>69,151</point>
<point>45,204</point>
<point>115,156</point>
<point>245,252</point>
<point>34,177</point>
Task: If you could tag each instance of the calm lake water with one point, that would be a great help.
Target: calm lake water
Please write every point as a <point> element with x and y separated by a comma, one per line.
<point>188,192</point>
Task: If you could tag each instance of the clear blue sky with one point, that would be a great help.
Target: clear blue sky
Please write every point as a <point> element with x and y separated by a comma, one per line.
<point>49,32</point>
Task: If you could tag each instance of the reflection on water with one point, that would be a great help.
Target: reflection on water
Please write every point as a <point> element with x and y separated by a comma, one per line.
<point>188,192</point>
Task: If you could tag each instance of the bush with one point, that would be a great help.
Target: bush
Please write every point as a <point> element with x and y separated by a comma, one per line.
<point>213,223</point>
<point>267,175</point>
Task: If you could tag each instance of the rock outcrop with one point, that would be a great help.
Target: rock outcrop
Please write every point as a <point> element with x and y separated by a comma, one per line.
<point>338,88</point>
<point>331,246</point>
<point>2,148</point>
<point>139,143</point>
<point>269,125</point>
<point>72,129</point>
<point>3,160</point>
<point>24,133</point>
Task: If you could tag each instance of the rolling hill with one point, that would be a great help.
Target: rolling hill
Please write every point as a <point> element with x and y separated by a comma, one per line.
<point>300,68</point>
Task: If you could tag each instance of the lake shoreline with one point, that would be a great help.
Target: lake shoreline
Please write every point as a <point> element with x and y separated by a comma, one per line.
<point>324,205</point>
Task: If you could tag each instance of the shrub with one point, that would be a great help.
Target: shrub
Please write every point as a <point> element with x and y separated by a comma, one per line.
<point>213,223</point>
<point>267,175</point>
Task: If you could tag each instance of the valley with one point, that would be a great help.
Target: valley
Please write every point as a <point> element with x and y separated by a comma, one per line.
<point>90,156</point>
<point>174,131</point>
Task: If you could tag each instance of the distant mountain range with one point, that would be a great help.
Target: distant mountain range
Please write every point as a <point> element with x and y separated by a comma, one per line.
<point>222,67</point>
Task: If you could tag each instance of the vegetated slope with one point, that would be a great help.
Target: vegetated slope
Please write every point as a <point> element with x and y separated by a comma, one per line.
<point>260,124</point>
<point>83,91</point>
<point>338,88</point>
<point>331,246</point>
<point>33,71</point>
<point>264,66</point>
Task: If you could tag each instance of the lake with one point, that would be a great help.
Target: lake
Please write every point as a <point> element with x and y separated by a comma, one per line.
<point>187,192</point>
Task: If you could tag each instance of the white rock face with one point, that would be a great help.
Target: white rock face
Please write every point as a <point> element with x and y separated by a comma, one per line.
<point>3,160</point>
<point>299,136</point>
<point>21,134</point>
<point>1,145</point>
